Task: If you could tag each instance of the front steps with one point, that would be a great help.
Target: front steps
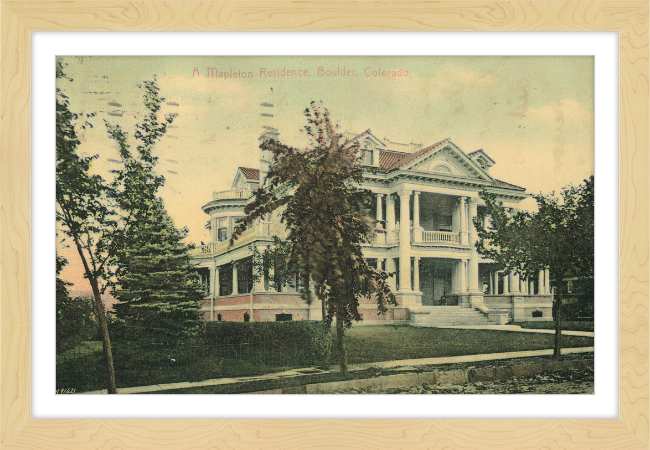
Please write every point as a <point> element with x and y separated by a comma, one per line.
<point>433,316</point>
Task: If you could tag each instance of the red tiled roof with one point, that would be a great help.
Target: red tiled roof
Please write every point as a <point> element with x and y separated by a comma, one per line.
<point>503,184</point>
<point>389,160</point>
<point>251,174</point>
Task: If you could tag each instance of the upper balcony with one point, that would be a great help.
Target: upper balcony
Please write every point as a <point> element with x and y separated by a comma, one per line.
<point>261,231</point>
<point>420,237</point>
<point>232,194</point>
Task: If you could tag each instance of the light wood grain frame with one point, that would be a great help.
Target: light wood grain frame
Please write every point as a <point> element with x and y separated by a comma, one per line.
<point>19,431</point>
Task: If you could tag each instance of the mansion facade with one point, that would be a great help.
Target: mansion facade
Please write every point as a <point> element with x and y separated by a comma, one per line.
<point>425,202</point>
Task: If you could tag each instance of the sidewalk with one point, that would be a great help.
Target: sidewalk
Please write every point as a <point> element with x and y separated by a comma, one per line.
<point>310,371</point>
<point>516,328</point>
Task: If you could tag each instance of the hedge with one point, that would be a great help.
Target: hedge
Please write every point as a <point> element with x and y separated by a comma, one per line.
<point>310,337</point>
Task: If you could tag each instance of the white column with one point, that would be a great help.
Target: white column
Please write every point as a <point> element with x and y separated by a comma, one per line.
<point>463,276</point>
<point>492,290</point>
<point>513,282</point>
<point>416,274</point>
<point>217,289</point>
<point>390,217</point>
<point>473,254</point>
<point>531,287</point>
<point>380,263</point>
<point>417,231</point>
<point>547,278</point>
<point>380,212</point>
<point>404,243</point>
<point>416,209</point>
<point>464,237</point>
<point>235,287</point>
<point>506,290</point>
<point>390,268</point>
<point>541,284</point>
<point>214,273</point>
<point>212,286</point>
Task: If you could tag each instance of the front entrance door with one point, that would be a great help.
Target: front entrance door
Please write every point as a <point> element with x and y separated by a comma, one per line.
<point>435,282</point>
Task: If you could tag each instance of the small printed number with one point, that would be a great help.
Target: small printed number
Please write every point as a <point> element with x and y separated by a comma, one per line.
<point>66,391</point>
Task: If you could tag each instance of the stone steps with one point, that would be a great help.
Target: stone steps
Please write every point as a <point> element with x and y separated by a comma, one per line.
<point>448,316</point>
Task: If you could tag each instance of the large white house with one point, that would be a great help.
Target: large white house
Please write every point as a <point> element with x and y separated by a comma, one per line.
<point>426,200</point>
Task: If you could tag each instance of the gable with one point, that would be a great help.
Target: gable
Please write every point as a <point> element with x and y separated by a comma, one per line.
<point>449,161</point>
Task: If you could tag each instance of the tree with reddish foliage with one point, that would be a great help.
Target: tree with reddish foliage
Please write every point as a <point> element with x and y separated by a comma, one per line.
<point>327,217</point>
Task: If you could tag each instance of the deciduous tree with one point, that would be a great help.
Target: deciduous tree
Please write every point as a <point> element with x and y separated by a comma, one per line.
<point>84,211</point>
<point>316,190</point>
<point>558,237</point>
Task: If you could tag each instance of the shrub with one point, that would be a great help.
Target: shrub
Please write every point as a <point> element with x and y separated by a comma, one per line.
<point>309,339</point>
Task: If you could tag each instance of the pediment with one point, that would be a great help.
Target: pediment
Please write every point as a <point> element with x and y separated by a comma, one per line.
<point>449,161</point>
<point>368,141</point>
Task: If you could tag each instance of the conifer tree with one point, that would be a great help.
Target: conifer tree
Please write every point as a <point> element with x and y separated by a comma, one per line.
<point>159,292</point>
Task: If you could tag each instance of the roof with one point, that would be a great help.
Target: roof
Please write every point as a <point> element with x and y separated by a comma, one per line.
<point>250,173</point>
<point>503,184</point>
<point>391,160</point>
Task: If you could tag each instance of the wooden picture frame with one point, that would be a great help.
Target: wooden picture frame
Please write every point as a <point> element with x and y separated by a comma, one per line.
<point>19,430</point>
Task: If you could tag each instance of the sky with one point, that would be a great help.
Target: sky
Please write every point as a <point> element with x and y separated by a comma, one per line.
<point>534,116</point>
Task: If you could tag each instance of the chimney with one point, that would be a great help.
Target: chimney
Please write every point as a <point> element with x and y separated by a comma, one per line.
<point>266,156</point>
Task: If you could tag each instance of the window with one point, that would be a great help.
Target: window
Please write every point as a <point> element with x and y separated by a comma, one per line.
<point>245,276</point>
<point>222,229</point>
<point>283,317</point>
<point>225,280</point>
<point>367,156</point>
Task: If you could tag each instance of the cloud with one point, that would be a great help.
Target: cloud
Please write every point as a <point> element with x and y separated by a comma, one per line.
<point>565,111</point>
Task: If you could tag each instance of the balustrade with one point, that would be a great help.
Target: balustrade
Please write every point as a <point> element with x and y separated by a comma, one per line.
<point>429,237</point>
<point>232,194</point>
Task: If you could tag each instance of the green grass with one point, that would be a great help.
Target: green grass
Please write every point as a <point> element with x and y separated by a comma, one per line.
<point>386,343</point>
<point>573,325</point>
<point>138,367</point>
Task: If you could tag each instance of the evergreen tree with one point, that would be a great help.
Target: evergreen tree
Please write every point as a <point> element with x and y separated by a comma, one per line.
<point>558,237</point>
<point>159,292</point>
<point>327,216</point>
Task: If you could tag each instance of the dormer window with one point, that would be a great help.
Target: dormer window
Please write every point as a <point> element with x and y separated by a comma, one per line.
<point>368,154</point>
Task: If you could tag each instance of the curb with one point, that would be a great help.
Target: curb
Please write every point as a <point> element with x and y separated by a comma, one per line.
<point>437,377</point>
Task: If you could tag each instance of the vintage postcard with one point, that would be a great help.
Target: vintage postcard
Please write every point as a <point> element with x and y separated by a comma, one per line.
<point>297,224</point>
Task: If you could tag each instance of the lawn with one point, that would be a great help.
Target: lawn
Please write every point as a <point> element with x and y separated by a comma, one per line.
<point>138,367</point>
<point>384,343</point>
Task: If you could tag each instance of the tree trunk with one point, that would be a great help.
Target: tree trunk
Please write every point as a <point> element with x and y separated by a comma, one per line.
<point>340,337</point>
<point>103,324</point>
<point>557,351</point>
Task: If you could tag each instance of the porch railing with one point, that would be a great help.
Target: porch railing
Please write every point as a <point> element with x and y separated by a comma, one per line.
<point>429,237</point>
<point>263,229</point>
<point>234,194</point>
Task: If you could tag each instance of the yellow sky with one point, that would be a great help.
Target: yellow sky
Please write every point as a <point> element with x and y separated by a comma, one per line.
<point>533,115</point>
